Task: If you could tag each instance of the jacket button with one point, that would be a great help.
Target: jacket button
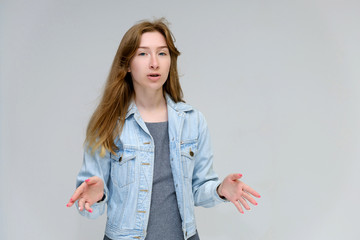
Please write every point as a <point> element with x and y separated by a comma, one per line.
<point>191,153</point>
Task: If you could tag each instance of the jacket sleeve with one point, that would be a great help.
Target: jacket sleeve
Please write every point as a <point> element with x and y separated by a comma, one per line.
<point>205,180</point>
<point>94,165</point>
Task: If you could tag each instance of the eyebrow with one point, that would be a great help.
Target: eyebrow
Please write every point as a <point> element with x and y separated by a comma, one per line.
<point>156,48</point>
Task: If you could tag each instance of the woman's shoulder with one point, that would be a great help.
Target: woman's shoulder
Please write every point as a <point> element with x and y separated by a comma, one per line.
<point>191,112</point>
<point>181,106</point>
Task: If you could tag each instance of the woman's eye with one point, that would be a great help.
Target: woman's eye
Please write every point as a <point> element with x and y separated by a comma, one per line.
<point>142,54</point>
<point>162,54</point>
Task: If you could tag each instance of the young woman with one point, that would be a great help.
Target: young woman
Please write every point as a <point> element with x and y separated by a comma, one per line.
<point>148,154</point>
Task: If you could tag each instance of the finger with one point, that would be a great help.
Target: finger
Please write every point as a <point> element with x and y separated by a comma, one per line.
<point>87,207</point>
<point>77,193</point>
<point>244,203</point>
<point>81,204</point>
<point>91,180</point>
<point>238,206</point>
<point>251,191</point>
<point>249,198</point>
<point>235,176</point>
<point>70,203</point>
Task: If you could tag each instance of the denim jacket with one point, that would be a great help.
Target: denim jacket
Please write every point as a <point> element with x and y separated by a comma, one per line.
<point>128,175</point>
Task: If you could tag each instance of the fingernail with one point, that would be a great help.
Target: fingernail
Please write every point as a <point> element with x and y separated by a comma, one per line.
<point>259,196</point>
<point>90,210</point>
<point>240,175</point>
<point>67,205</point>
<point>71,200</point>
<point>80,208</point>
<point>87,180</point>
<point>256,203</point>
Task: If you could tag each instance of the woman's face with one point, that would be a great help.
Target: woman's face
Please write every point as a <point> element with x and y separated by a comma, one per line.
<point>150,65</point>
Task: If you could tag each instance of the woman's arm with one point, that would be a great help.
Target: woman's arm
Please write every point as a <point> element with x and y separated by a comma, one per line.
<point>92,184</point>
<point>204,179</point>
<point>207,189</point>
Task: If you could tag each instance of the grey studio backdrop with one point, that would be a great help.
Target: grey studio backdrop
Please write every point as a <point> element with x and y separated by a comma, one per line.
<point>278,82</point>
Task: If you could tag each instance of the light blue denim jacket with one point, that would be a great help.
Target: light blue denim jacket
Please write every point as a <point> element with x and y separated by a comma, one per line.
<point>128,175</point>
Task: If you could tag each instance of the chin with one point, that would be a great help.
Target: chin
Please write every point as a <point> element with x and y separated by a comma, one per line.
<point>157,85</point>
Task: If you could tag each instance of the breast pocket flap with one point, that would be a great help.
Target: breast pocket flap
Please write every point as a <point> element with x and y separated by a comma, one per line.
<point>123,156</point>
<point>189,149</point>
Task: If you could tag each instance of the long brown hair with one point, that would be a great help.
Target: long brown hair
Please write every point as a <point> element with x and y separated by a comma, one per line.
<point>109,117</point>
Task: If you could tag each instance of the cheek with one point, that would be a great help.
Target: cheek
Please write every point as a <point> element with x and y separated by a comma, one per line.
<point>134,70</point>
<point>133,66</point>
<point>136,64</point>
<point>168,64</point>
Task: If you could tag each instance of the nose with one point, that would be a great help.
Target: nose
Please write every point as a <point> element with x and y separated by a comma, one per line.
<point>154,64</point>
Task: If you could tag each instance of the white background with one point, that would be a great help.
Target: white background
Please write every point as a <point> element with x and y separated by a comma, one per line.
<point>278,82</point>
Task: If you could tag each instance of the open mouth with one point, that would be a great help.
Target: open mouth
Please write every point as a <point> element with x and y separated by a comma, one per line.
<point>154,75</point>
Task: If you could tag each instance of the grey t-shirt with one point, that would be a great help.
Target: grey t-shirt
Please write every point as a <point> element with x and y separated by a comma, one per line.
<point>164,220</point>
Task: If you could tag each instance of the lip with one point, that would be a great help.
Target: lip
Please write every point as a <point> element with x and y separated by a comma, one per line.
<point>154,76</point>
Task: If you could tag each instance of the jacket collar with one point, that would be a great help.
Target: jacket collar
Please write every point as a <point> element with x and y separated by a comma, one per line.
<point>179,106</point>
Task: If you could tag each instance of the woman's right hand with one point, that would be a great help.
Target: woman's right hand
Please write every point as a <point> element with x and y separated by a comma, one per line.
<point>88,193</point>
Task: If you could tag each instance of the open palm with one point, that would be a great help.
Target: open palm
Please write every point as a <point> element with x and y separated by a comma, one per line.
<point>88,193</point>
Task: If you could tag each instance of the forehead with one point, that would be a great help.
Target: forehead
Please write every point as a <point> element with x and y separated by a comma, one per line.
<point>152,39</point>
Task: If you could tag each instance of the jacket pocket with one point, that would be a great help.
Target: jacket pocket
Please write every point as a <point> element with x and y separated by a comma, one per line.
<point>188,154</point>
<point>123,168</point>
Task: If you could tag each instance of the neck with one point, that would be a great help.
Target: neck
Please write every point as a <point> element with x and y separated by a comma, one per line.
<point>152,106</point>
<point>150,101</point>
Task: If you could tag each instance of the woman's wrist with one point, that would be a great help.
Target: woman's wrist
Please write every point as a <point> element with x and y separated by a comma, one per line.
<point>102,199</point>
<point>218,192</point>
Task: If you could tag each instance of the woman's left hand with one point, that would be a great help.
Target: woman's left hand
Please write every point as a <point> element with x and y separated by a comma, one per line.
<point>237,192</point>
